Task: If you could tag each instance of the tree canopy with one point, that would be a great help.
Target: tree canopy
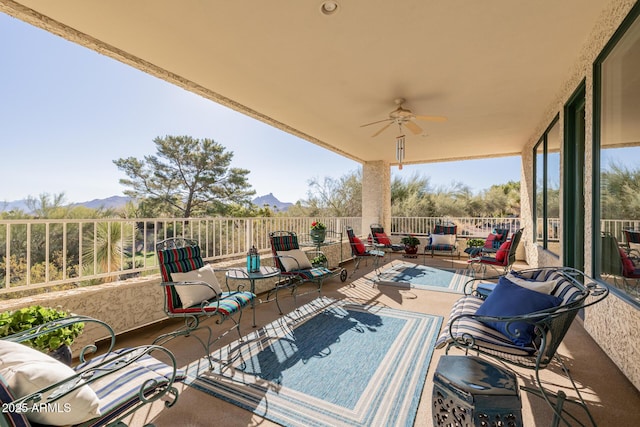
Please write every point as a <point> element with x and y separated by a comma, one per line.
<point>187,177</point>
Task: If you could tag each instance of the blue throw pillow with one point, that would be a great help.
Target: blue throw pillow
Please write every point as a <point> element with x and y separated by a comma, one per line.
<point>509,299</point>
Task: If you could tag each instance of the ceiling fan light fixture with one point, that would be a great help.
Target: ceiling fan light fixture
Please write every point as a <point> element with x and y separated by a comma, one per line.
<point>329,7</point>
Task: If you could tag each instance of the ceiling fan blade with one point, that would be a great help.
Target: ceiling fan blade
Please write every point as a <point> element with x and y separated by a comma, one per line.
<point>417,130</point>
<point>381,130</point>
<point>431,118</point>
<point>373,123</point>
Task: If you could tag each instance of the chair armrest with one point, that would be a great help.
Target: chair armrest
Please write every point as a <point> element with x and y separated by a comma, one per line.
<point>29,334</point>
<point>471,286</point>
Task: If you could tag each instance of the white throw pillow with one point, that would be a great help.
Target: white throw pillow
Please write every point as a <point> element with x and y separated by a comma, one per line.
<point>290,264</point>
<point>443,239</point>
<point>542,287</point>
<point>26,371</point>
<point>195,294</point>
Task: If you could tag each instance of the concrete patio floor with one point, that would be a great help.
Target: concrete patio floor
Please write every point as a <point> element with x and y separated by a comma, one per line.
<point>612,399</point>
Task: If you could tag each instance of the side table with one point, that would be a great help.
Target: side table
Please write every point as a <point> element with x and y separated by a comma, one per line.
<point>470,391</point>
<point>241,273</point>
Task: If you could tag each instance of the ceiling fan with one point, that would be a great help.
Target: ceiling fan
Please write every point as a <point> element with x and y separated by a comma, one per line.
<point>404,116</point>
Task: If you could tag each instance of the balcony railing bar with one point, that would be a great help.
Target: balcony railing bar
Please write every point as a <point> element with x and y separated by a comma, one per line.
<point>27,263</point>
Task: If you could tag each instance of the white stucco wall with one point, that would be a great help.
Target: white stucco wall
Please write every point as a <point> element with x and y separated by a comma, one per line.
<point>614,324</point>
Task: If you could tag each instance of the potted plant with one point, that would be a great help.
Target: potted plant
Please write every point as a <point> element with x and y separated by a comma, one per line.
<point>475,243</point>
<point>56,343</point>
<point>318,232</point>
<point>319,260</point>
<point>410,243</point>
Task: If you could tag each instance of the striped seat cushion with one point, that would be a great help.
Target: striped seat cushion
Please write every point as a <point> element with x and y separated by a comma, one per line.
<point>313,273</point>
<point>487,336</point>
<point>230,303</point>
<point>564,289</point>
<point>440,247</point>
<point>119,392</point>
<point>484,335</point>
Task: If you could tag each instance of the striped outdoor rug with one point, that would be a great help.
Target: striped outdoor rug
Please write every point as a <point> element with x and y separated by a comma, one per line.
<point>339,364</point>
<point>407,274</point>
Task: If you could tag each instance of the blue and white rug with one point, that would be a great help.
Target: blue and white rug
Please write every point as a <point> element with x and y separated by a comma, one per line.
<point>338,364</point>
<point>407,274</point>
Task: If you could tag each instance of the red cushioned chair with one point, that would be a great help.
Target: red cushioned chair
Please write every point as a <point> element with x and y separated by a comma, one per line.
<point>504,257</point>
<point>381,240</point>
<point>359,251</point>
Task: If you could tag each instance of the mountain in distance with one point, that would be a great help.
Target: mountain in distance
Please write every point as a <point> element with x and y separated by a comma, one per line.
<point>272,201</point>
<point>116,202</point>
<point>113,202</point>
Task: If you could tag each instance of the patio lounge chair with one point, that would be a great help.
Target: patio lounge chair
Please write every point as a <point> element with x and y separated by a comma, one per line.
<point>522,322</point>
<point>504,257</point>
<point>443,239</point>
<point>359,251</point>
<point>632,244</point>
<point>192,292</point>
<point>380,239</point>
<point>103,390</point>
<point>295,267</point>
<point>617,264</point>
<point>492,243</point>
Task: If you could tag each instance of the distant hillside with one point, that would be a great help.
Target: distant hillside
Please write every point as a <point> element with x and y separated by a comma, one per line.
<point>272,201</point>
<point>116,202</point>
<point>113,202</point>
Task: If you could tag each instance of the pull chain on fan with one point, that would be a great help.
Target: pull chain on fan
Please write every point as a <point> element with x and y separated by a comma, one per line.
<point>400,147</point>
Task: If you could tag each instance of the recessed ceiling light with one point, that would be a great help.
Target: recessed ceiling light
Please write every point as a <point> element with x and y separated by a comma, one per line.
<point>329,7</point>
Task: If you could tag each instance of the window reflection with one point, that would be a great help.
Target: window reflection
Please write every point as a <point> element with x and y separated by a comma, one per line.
<point>620,163</point>
<point>547,191</point>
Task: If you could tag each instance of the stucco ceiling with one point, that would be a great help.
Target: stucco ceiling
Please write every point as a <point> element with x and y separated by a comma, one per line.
<point>492,68</point>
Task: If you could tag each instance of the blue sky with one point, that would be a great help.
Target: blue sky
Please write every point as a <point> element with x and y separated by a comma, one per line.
<point>67,112</point>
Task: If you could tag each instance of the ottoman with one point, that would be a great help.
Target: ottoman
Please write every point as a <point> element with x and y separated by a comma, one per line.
<point>469,391</point>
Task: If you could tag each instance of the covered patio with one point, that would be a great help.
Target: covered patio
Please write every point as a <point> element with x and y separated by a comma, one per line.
<point>512,79</point>
<point>612,399</point>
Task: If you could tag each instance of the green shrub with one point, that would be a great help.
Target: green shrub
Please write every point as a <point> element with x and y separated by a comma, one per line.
<point>12,322</point>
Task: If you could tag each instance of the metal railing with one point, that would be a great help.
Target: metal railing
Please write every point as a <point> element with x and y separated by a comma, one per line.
<point>472,227</point>
<point>37,253</point>
<point>50,253</point>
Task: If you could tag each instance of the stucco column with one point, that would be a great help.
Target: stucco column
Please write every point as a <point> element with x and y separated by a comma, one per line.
<point>376,195</point>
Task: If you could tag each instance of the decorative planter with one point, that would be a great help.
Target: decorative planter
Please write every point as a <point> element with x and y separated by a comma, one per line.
<point>317,236</point>
<point>62,354</point>
<point>411,250</point>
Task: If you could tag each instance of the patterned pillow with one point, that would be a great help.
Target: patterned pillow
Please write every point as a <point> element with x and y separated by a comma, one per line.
<point>627,265</point>
<point>491,239</point>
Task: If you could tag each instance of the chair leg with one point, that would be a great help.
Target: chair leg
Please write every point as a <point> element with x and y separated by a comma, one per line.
<point>557,401</point>
<point>192,324</point>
